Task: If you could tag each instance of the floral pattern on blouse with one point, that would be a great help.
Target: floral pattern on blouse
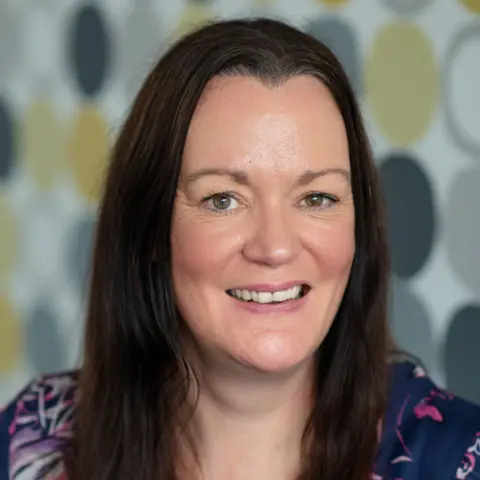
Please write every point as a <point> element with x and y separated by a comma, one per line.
<point>470,460</point>
<point>37,427</point>
<point>429,433</point>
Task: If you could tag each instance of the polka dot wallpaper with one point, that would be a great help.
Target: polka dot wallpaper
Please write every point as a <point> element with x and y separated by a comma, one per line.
<point>68,73</point>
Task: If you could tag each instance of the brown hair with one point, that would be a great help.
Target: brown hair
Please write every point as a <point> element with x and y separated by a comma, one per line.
<point>133,379</point>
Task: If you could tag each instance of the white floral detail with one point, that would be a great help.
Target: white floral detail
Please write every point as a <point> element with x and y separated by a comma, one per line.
<point>41,426</point>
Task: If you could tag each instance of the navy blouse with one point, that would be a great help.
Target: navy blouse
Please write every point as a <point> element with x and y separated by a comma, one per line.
<point>428,433</point>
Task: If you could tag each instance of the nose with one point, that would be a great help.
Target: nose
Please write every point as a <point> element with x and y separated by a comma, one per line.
<point>274,239</point>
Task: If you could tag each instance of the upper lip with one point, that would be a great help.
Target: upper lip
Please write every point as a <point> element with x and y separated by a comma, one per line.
<point>269,287</point>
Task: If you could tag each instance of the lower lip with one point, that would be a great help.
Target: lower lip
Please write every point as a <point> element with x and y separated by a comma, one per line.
<point>271,308</point>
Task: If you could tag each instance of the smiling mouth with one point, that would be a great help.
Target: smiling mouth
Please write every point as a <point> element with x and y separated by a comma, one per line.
<point>280,296</point>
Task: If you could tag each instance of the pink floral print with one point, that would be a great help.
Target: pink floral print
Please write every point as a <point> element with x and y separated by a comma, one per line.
<point>35,430</point>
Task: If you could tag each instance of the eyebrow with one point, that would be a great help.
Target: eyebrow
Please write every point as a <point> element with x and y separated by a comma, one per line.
<point>242,178</point>
<point>236,175</point>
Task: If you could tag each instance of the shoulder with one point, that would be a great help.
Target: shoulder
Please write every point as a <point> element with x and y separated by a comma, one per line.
<point>428,432</point>
<point>36,426</point>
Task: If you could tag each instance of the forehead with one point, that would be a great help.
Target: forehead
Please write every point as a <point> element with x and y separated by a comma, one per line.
<point>240,119</point>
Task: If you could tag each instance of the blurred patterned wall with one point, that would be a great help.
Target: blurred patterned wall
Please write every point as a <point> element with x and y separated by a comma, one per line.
<point>68,72</point>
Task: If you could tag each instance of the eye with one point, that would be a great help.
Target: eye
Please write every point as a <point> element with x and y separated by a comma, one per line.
<point>318,200</point>
<point>221,202</point>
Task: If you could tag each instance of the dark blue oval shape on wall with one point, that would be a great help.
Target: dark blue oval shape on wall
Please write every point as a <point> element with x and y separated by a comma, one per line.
<point>411,214</point>
<point>89,49</point>
<point>6,141</point>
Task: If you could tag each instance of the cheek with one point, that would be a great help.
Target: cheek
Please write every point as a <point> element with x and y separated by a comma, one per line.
<point>333,247</point>
<point>200,249</point>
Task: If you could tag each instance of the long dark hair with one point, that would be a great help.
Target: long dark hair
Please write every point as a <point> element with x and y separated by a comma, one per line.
<point>134,380</point>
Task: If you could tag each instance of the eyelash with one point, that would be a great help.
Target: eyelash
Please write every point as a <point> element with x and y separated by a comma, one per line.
<point>211,195</point>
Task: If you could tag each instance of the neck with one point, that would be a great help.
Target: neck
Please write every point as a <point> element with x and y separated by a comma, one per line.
<point>249,424</point>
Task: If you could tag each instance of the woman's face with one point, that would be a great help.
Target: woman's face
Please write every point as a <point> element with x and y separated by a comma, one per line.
<point>263,226</point>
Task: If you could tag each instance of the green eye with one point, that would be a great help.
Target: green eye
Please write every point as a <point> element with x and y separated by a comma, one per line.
<point>314,200</point>
<point>318,200</point>
<point>221,202</point>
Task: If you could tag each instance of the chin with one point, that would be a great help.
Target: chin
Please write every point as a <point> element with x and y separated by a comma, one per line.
<point>275,354</point>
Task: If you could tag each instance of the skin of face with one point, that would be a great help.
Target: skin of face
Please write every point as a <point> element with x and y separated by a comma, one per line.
<point>264,199</point>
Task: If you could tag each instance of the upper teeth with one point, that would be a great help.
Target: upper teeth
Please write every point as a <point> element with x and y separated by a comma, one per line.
<point>267,297</point>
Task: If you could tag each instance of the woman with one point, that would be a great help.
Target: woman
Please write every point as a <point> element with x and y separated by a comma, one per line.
<point>237,322</point>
